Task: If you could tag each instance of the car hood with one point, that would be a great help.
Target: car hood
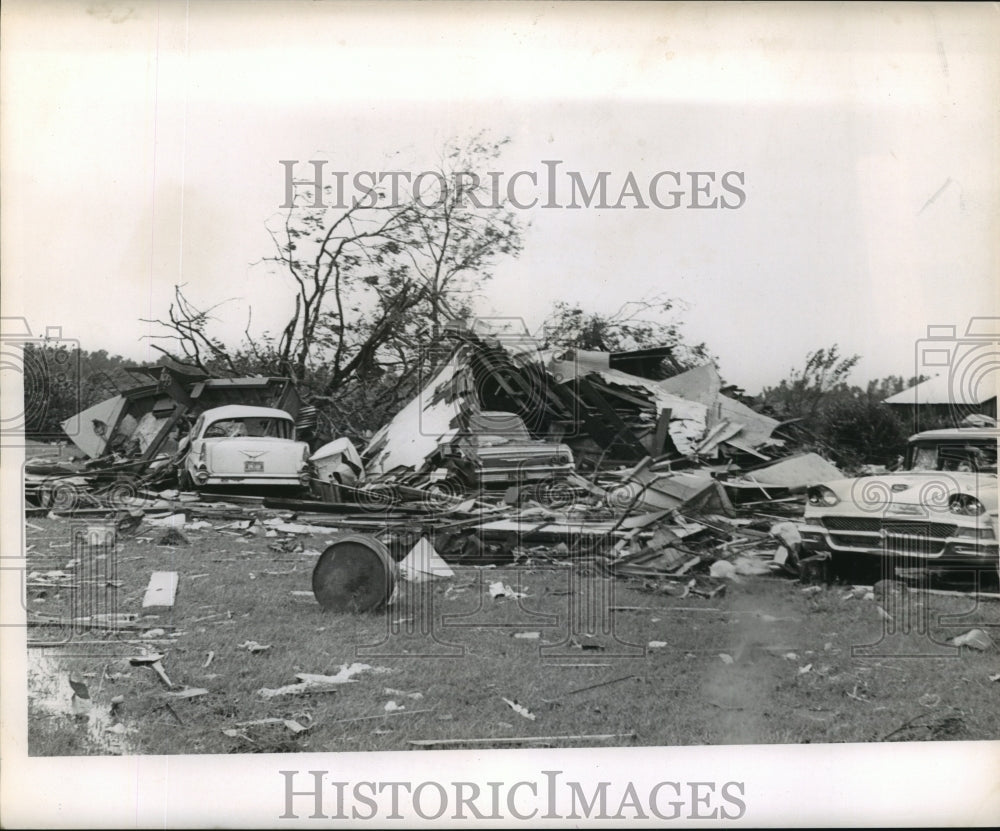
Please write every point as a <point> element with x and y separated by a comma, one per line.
<point>928,490</point>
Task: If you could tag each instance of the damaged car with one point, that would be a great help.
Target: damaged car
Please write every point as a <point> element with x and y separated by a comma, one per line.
<point>938,513</point>
<point>244,446</point>
<point>496,450</point>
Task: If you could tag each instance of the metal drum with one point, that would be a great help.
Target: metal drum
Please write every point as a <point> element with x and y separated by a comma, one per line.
<point>354,574</point>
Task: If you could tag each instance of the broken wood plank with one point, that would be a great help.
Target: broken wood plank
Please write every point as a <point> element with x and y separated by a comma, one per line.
<point>384,715</point>
<point>590,687</point>
<point>498,740</point>
<point>162,589</point>
<point>190,692</point>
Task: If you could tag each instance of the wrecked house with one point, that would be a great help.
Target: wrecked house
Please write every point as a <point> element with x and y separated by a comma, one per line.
<point>137,432</point>
<point>147,420</point>
<point>579,399</point>
<point>510,452</point>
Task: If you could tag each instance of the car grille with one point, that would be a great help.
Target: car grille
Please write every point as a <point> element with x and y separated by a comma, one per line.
<point>920,539</point>
<point>873,525</point>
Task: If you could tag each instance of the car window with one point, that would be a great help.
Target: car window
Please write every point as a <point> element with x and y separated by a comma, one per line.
<point>494,426</point>
<point>924,458</point>
<point>960,457</point>
<point>255,427</point>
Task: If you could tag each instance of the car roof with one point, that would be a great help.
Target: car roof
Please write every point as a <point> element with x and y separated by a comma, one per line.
<point>244,411</point>
<point>957,433</point>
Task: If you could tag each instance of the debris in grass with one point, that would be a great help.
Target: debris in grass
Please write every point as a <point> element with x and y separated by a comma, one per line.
<point>173,537</point>
<point>392,706</point>
<point>528,636</point>
<point>974,639</point>
<point>253,647</point>
<point>725,658</point>
<point>517,708</point>
<point>161,590</point>
<point>208,660</point>
<point>937,725</point>
<point>656,644</point>
<point>416,696</point>
<point>995,677</point>
<point>424,563</point>
<point>499,589</point>
<point>589,687</point>
<point>513,740</point>
<point>593,646</point>
<point>291,725</point>
<point>80,703</point>
<point>169,521</point>
<point>805,669</point>
<point>310,683</point>
<point>190,692</point>
<point>152,660</point>
<point>79,688</point>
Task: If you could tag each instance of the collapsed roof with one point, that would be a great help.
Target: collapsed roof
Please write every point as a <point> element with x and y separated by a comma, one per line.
<point>578,397</point>
<point>137,422</point>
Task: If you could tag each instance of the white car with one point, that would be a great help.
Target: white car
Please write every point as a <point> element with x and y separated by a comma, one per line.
<point>939,512</point>
<point>245,446</point>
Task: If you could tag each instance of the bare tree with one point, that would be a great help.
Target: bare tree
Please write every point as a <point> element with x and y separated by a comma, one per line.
<point>373,281</point>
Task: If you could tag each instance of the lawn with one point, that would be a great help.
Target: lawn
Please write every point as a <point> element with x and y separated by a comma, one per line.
<point>595,660</point>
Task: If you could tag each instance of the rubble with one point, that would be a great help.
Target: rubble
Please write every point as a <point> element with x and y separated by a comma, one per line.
<point>623,464</point>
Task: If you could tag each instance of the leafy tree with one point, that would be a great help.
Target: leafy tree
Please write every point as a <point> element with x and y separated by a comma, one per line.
<point>859,430</point>
<point>640,324</point>
<point>60,381</point>
<point>805,390</point>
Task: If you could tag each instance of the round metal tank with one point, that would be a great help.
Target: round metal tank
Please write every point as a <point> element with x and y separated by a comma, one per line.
<point>354,574</point>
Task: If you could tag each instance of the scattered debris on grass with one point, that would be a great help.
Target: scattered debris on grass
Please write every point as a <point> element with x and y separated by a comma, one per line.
<point>311,683</point>
<point>974,639</point>
<point>253,647</point>
<point>162,589</point>
<point>517,708</point>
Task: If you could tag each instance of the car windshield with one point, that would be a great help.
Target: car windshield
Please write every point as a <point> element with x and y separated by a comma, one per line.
<point>493,427</point>
<point>954,456</point>
<point>279,428</point>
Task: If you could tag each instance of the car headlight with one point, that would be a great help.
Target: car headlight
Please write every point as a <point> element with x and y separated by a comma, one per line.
<point>965,504</point>
<point>822,495</point>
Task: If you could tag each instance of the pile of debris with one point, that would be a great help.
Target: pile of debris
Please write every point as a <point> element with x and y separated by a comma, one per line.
<point>511,453</point>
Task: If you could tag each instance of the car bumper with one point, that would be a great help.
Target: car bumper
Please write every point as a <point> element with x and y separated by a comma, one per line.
<point>517,474</point>
<point>927,550</point>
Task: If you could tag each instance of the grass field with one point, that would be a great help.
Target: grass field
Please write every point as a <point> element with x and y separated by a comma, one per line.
<point>579,655</point>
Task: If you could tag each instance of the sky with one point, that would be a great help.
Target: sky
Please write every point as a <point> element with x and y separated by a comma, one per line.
<point>141,146</point>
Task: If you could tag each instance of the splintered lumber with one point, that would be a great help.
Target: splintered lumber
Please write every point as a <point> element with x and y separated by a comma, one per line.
<point>316,507</point>
<point>161,590</point>
<point>596,737</point>
<point>589,687</point>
